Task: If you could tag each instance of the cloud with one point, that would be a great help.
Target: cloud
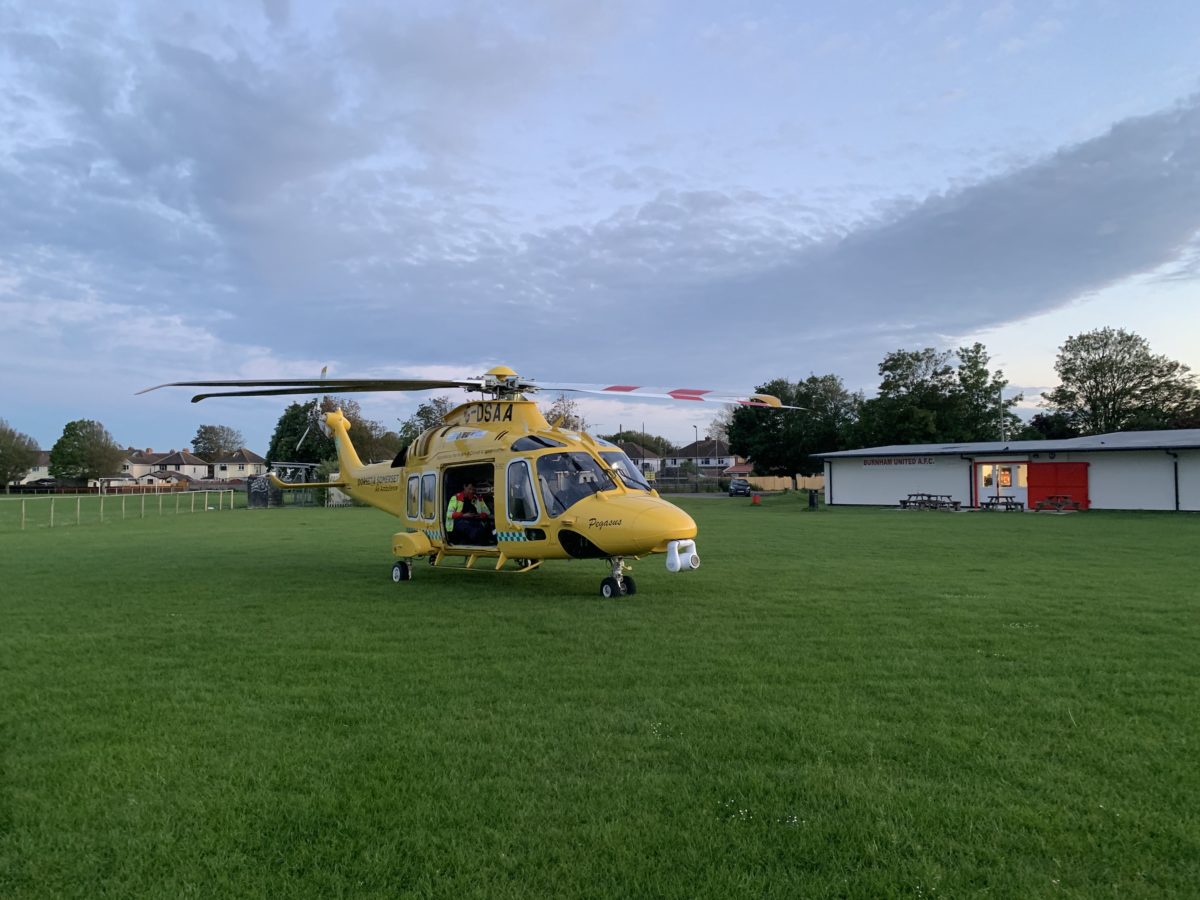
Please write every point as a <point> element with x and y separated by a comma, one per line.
<point>270,188</point>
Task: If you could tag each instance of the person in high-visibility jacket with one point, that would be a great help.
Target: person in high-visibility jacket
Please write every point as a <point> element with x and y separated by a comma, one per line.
<point>468,519</point>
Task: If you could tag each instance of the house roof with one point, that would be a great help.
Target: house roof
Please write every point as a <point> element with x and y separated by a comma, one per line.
<point>745,468</point>
<point>169,475</point>
<point>636,451</point>
<point>1177,439</point>
<point>705,449</point>
<point>181,458</point>
<point>144,457</point>
<point>240,455</point>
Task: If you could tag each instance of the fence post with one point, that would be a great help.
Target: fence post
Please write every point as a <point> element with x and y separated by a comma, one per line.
<point>22,513</point>
<point>193,493</point>
<point>101,509</point>
<point>122,507</point>
<point>78,516</point>
<point>176,502</point>
<point>143,504</point>
<point>52,512</point>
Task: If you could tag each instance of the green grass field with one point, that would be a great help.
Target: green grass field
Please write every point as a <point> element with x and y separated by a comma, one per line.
<point>858,703</point>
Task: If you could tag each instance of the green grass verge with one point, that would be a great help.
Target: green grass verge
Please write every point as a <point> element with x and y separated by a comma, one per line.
<point>862,703</point>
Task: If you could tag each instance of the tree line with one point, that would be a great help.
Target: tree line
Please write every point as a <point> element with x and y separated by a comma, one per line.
<point>1110,380</point>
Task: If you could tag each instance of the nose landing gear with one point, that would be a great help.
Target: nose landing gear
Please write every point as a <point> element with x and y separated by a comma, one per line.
<point>618,584</point>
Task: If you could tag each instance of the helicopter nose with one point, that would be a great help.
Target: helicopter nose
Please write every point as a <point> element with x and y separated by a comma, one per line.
<point>633,526</point>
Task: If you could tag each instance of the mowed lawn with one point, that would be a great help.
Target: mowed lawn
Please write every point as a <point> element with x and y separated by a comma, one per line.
<point>861,703</point>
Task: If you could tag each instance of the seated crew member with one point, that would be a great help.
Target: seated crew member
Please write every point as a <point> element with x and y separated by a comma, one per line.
<point>468,519</point>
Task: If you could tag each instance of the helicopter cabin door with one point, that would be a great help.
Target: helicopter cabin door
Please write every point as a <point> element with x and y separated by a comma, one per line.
<point>476,527</point>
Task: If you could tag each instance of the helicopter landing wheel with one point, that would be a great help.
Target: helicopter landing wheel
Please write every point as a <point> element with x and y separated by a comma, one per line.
<point>610,588</point>
<point>629,585</point>
<point>401,571</point>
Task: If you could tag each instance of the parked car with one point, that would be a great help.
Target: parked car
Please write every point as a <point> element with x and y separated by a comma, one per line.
<point>739,487</point>
<point>43,483</point>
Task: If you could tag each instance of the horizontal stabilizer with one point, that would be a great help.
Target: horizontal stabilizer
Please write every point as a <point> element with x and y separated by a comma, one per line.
<point>295,485</point>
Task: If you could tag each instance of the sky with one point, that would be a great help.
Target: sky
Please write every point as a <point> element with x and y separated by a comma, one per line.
<point>677,194</point>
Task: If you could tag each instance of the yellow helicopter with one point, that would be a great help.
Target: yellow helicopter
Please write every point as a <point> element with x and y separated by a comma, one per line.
<point>562,494</point>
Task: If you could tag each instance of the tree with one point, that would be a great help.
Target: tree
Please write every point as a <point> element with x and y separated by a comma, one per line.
<point>371,440</point>
<point>781,442</point>
<point>718,428</point>
<point>212,441</point>
<point>565,412</point>
<point>85,451</point>
<point>296,420</point>
<point>428,414</point>
<point>374,441</point>
<point>923,398</point>
<point>659,446</point>
<point>912,404</point>
<point>18,454</point>
<point>979,411</point>
<point>1049,427</point>
<point>1112,382</point>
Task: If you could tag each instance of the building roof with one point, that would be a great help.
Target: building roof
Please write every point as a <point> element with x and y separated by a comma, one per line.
<point>181,458</point>
<point>745,468</point>
<point>1177,439</point>
<point>705,449</point>
<point>144,457</point>
<point>240,455</point>
<point>636,451</point>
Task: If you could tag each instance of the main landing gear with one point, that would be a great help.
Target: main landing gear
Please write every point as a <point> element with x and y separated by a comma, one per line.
<point>402,571</point>
<point>618,584</point>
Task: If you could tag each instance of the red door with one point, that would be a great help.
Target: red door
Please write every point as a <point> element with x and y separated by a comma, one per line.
<point>1050,478</point>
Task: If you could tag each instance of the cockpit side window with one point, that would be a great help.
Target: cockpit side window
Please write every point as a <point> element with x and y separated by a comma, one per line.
<point>626,468</point>
<point>567,478</point>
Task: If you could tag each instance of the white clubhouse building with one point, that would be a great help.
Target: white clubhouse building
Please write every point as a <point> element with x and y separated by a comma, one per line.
<point>1125,470</point>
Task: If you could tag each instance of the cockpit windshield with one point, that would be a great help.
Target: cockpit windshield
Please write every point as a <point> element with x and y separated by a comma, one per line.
<point>566,478</point>
<point>625,467</point>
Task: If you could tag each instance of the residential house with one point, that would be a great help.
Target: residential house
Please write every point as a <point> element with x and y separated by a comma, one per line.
<point>41,468</point>
<point>140,463</point>
<point>178,465</point>
<point>646,460</point>
<point>711,457</point>
<point>238,465</point>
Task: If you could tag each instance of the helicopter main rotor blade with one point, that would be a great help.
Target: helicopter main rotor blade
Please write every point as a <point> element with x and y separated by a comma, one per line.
<point>694,394</point>
<point>270,388</point>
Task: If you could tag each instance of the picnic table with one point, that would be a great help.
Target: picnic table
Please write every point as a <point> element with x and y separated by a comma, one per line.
<point>1008,504</point>
<point>930,501</point>
<point>1057,502</point>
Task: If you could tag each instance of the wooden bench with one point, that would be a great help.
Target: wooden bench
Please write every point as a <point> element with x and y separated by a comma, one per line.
<point>930,501</point>
<point>1008,504</point>
<point>1057,503</point>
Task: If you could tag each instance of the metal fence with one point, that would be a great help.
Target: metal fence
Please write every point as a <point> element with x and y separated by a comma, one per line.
<point>59,510</point>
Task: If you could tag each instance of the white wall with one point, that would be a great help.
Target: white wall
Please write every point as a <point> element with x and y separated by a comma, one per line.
<point>1128,480</point>
<point>1189,479</point>
<point>1116,480</point>
<point>884,481</point>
